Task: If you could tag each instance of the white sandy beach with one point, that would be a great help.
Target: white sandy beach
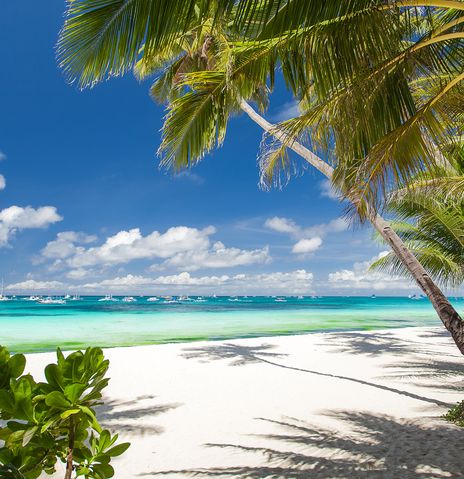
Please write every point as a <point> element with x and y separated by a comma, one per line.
<point>324,405</point>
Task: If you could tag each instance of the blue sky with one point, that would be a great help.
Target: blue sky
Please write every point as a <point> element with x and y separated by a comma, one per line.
<point>86,209</point>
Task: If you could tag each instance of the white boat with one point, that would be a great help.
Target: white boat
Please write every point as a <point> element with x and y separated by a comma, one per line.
<point>108,297</point>
<point>33,298</point>
<point>50,300</point>
<point>184,298</point>
<point>300,297</point>
<point>170,301</point>
<point>129,299</point>
<point>76,297</point>
<point>152,299</point>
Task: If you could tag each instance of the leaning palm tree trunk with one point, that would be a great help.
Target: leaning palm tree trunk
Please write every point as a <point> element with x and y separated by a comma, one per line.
<point>447,314</point>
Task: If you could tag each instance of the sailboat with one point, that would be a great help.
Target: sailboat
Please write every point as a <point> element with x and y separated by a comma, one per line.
<point>2,296</point>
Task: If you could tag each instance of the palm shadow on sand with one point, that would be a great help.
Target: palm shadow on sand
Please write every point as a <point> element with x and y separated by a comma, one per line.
<point>373,447</point>
<point>132,416</point>
<point>377,343</point>
<point>241,355</point>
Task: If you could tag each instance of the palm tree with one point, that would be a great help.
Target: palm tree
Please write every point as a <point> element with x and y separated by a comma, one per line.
<point>212,63</point>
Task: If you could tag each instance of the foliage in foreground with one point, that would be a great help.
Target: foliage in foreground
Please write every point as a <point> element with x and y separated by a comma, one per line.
<point>51,421</point>
<point>456,414</point>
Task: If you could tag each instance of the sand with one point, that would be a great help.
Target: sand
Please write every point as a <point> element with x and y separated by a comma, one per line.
<point>324,405</point>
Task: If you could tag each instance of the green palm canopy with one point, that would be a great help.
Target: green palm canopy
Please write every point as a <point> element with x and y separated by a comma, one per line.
<point>352,65</point>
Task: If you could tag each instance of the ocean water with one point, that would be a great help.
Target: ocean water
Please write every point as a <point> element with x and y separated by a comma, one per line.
<point>28,326</point>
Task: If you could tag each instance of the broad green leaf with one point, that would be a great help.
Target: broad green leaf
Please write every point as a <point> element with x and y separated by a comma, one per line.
<point>48,424</point>
<point>54,376</point>
<point>6,401</point>
<point>103,470</point>
<point>118,450</point>
<point>57,399</point>
<point>28,435</point>
<point>105,439</point>
<point>74,391</point>
<point>17,365</point>
<point>95,424</point>
<point>69,412</point>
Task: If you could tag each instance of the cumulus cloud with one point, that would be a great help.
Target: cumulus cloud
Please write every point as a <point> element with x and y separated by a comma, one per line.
<point>180,247</point>
<point>327,190</point>
<point>310,238</point>
<point>360,278</point>
<point>33,285</point>
<point>65,243</point>
<point>307,246</point>
<point>79,273</point>
<point>334,226</point>
<point>218,257</point>
<point>282,225</point>
<point>126,246</point>
<point>17,218</point>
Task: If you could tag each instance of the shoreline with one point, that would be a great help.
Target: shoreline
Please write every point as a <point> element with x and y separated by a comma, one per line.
<point>319,404</point>
<point>182,341</point>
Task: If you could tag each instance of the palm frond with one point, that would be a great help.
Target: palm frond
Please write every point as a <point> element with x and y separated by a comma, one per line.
<point>104,38</point>
<point>195,124</point>
<point>447,270</point>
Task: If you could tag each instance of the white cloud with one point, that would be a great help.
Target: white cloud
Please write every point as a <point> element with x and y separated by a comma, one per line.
<point>2,182</point>
<point>307,246</point>
<point>190,176</point>
<point>334,226</point>
<point>292,282</point>
<point>282,225</point>
<point>79,273</point>
<point>2,156</point>
<point>33,285</point>
<point>181,247</point>
<point>309,239</point>
<point>217,257</point>
<point>64,245</point>
<point>360,278</point>
<point>327,190</point>
<point>17,218</point>
<point>126,246</point>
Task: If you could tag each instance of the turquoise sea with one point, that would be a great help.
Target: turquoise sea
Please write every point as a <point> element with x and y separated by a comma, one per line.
<point>29,326</point>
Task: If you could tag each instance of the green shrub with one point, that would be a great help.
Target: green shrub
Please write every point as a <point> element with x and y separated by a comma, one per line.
<point>456,414</point>
<point>46,422</point>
